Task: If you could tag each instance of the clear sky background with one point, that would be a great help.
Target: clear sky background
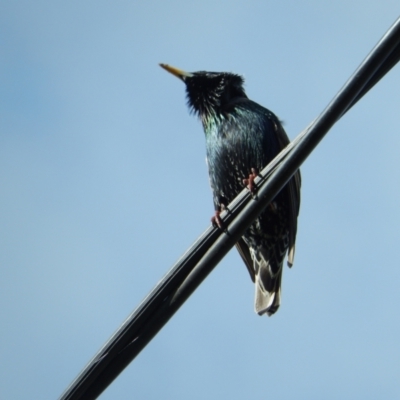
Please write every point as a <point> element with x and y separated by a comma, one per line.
<point>104,186</point>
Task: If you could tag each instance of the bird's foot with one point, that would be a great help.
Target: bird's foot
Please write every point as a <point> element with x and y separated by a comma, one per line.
<point>249,182</point>
<point>216,219</point>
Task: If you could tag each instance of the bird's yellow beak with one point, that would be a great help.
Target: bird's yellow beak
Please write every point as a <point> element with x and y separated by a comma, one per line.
<point>177,72</point>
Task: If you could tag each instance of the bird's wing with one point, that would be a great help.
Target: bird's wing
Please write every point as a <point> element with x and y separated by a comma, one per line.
<point>293,193</point>
<point>293,189</point>
<point>244,252</point>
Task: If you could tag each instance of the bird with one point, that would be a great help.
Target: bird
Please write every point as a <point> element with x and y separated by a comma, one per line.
<point>241,138</point>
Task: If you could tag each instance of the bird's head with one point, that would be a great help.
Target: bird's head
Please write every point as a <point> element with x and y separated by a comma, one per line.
<point>210,94</point>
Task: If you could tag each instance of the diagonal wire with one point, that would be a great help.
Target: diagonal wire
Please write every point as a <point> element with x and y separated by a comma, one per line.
<point>199,260</point>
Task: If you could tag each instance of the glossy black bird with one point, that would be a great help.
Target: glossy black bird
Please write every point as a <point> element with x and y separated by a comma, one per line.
<point>242,137</point>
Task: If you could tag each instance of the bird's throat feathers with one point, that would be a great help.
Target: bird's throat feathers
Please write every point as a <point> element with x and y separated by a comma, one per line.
<point>212,95</point>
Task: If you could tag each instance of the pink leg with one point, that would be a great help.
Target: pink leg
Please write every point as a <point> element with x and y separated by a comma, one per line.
<point>249,183</point>
<point>216,219</point>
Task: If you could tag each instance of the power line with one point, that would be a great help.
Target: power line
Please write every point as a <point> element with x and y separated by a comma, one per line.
<point>200,259</point>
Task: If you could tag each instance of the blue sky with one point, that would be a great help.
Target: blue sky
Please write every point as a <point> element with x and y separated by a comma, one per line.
<point>104,186</point>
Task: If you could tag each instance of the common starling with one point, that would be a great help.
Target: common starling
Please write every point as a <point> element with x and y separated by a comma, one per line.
<point>242,137</point>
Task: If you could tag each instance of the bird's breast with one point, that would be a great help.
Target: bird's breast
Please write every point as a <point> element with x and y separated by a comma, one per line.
<point>234,146</point>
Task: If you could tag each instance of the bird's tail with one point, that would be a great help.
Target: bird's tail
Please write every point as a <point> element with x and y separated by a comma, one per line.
<point>268,288</point>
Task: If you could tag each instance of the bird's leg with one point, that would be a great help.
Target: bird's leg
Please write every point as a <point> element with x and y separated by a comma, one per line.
<point>253,188</point>
<point>249,182</point>
<point>216,219</point>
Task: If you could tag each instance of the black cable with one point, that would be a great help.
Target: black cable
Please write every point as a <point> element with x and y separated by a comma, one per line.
<point>199,260</point>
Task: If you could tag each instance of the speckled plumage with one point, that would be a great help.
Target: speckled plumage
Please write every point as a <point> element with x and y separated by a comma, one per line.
<point>240,136</point>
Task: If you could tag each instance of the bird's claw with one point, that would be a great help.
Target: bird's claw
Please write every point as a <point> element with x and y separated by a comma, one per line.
<point>216,220</point>
<point>249,182</point>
